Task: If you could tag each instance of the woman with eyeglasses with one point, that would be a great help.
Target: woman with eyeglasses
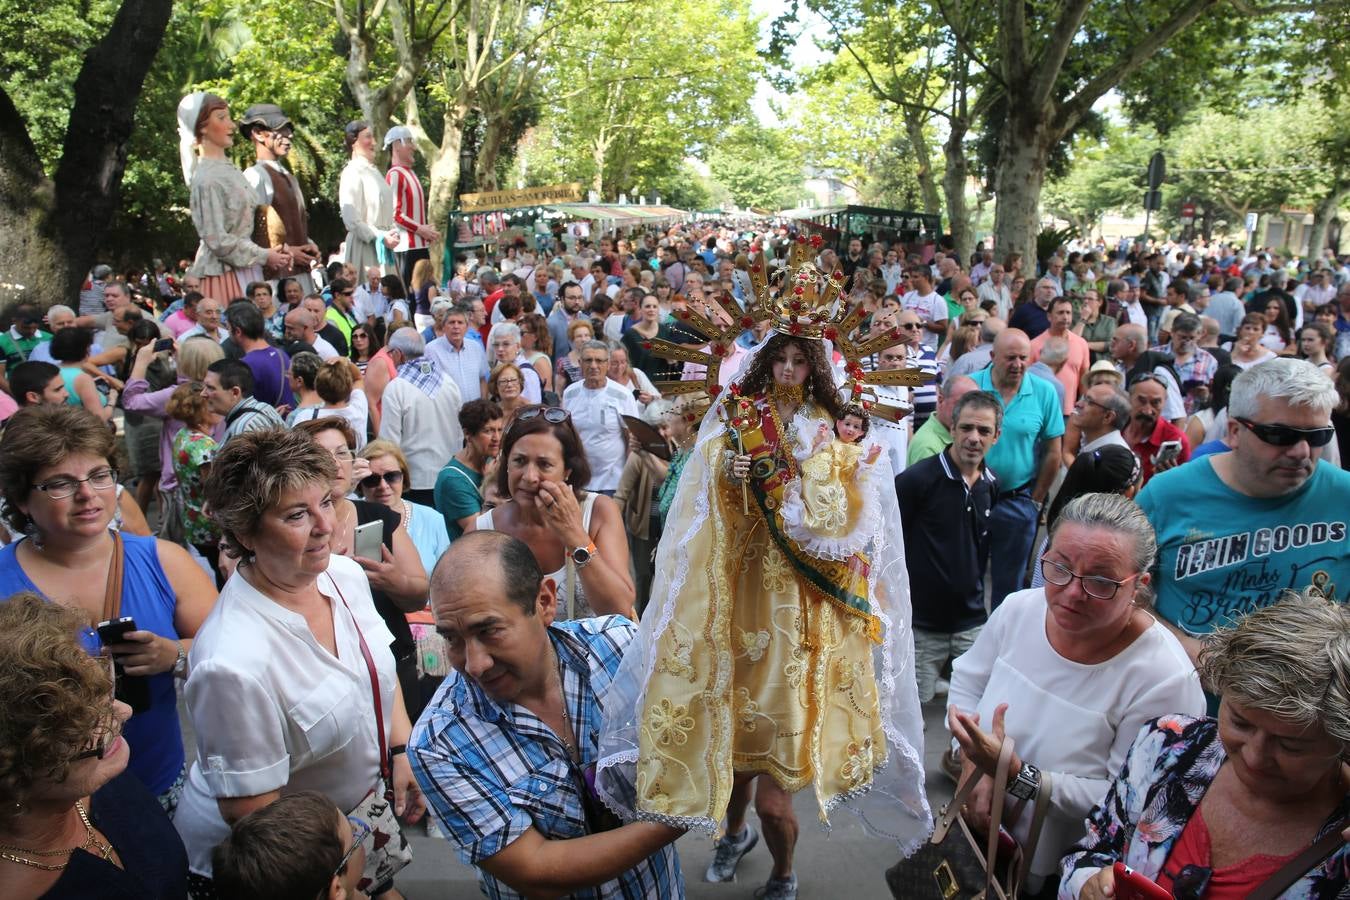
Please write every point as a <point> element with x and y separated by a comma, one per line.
<point>73,822</point>
<point>294,686</point>
<point>1071,671</point>
<point>577,536</point>
<point>59,490</point>
<point>1228,806</point>
<point>505,388</point>
<point>385,484</point>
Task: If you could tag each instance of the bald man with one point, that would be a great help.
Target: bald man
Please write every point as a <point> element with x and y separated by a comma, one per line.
<point>521,707</point>
<point>1026,458</point>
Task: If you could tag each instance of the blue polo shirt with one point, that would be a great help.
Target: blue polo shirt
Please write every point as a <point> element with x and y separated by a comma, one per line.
<point>1034,415</point>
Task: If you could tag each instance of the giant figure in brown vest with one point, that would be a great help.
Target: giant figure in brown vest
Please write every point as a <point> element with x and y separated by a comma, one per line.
<point>282,220</point>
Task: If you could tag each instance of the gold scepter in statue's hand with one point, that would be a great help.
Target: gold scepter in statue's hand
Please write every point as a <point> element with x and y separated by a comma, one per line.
<point>737,412</point>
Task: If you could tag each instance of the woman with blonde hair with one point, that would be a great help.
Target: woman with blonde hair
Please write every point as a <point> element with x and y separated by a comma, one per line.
<point>338,388</point>
<point>385,485</point>
<point>505,388</point>
<point>1227,806</point>
<point>423,288</point>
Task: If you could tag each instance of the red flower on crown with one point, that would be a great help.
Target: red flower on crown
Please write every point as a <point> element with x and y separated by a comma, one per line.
<point>816,240</point>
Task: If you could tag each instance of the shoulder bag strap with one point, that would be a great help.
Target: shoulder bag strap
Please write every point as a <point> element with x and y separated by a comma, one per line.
<point>112,594</point>
<point>386,771</point>
<point>1300,865</point>
<point>1005,753</point>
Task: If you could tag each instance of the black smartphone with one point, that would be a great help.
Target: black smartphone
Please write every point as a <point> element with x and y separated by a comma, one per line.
<point>133,690</point>
<point>163,344</point>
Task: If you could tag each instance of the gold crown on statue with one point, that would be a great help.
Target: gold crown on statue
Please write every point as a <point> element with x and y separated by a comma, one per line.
<point>801,301</point>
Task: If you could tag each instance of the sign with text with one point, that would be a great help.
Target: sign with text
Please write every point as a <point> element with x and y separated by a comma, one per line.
<point>549,193</point>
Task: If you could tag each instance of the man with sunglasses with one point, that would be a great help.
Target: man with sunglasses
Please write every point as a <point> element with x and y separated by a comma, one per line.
<point>1237,529</point>
<point>505,753</point>
<point>284,221</point>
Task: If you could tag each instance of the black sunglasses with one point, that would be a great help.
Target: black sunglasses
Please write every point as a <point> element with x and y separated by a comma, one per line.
<point>1191,882</point>
<point>372,481</point>
<point>1288,436</point>
<point>554,415</point>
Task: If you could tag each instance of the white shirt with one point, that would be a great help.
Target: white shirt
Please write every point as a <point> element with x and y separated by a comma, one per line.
<point>198,331</point>
<point>892,436</point>
<point>1111,437</point>
<point>1072,720</point>
<point>368,304</point>
<point>426,428</point>
<point>467,365</point>
<point>999,294</point>
<point>273,710</point>
<point>325,350</point>
<point>596,415</point>
<point>929,308</point>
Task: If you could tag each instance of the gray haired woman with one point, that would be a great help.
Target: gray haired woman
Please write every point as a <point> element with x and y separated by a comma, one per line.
<point>1196,796</point>
<point>1071,671</point>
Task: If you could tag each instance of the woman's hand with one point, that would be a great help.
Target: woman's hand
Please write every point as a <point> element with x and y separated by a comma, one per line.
<point>1099,886</point>
<point>740,466</point>
<point>645,398</point>
<point>382,574</point>
<point>145,653</point>
<point>558,507</point>
<point>360,469</point>
<point>278,259</point>
<point>981,747</point>
<point>408,801</point>
<point>979,806</point>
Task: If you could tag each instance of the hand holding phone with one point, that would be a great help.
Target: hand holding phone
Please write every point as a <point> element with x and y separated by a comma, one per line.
<point>1130,885</point>
<point>1168,454</point>
<point>368,540</point>
<point>163,344</point>
<point>133,690</point>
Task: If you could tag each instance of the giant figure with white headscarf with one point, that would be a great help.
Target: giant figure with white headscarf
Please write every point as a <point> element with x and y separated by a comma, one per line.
<point>222,202</point>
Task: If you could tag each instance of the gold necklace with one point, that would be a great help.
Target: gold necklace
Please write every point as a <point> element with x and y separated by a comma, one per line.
<point>105,850</point>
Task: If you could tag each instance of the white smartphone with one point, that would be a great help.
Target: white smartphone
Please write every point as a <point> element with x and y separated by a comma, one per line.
<point>1168,451</point>
<point>367,542</point>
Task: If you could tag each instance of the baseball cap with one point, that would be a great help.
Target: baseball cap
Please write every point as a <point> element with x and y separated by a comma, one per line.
<point>397,133</point>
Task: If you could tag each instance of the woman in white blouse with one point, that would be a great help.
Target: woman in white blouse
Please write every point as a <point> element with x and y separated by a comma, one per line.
<point>366,202</point>
<point>284,672</point>
<point>1071,671</point>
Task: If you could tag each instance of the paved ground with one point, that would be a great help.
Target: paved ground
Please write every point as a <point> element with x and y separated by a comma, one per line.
<point>846,863</point>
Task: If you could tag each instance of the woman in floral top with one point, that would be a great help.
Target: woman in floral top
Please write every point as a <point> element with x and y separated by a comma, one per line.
<point>1196,796</point>
<point>193,448</point>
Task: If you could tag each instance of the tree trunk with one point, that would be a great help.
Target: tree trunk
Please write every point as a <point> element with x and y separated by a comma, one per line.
<point>923,162</point>
<point>443,168</point>
<point>954,180</point>
<point>1323,213</point>
<point>485,166</point>
<point>50,229</point>
<point>1018,181</point>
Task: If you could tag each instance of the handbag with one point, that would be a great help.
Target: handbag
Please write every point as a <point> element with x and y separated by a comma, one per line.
<point>953,865</point>
<point>388,853</point>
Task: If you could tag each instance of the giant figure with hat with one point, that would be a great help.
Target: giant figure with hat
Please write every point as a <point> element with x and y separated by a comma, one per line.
<point>281,221</point>
<point>415,236</point>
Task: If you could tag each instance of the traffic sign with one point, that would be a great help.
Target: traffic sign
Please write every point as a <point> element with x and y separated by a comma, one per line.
<point>1187,213</point>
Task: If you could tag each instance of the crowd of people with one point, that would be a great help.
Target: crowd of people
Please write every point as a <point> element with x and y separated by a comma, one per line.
<point>1123,515</point>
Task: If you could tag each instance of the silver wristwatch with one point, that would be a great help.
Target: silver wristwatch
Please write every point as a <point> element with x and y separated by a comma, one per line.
<point>1026,782</point>
<point>180,668</point>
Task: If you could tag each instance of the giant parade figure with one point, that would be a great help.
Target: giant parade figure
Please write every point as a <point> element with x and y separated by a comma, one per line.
<point>777,640</point>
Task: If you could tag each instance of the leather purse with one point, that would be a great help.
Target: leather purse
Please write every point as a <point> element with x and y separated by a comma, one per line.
<point>954,866</point>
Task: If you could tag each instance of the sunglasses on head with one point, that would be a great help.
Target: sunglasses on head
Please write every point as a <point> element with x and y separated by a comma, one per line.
<point>1287,435</point>
<point>554,415</point>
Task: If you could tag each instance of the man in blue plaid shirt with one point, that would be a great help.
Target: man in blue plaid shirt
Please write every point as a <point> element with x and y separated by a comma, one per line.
<point>505,752</point>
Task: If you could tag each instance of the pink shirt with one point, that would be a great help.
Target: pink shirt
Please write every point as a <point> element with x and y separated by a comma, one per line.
<point>1075,367</point>
<point>179,323</point>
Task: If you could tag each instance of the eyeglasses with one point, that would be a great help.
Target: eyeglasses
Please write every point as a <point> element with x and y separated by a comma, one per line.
<point>1147,376</point>
<point>1287,435</point>
<point>911,326</point>
<point>347,293</point>
<point>1088,401</point>
<point>360,831</point>
<point>343,454</point>
<point>99,480</point>
<point>1098,587</point>
<point>110,726</point>
<point>372,481</point>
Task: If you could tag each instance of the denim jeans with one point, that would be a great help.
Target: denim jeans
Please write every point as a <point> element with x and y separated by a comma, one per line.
<point>1012,530</point>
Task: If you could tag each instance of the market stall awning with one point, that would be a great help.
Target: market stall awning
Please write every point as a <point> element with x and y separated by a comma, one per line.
<point>618,213</point>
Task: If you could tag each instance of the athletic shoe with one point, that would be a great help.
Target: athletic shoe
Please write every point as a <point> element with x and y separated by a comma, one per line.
<point>778,889</point>
<point>729,851</point>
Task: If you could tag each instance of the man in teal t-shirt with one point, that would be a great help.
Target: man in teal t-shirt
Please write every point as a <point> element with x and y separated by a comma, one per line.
<point>1237,529</point>
<point>458,494</point>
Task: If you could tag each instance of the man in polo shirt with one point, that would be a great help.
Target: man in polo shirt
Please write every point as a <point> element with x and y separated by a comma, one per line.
<point>494,748</point>
<point>1026,458</point>
<point>1079,358</point>
<point>1148,430</point>
<point>945,503</point>
<point>935,435</point>
<point>598,406</point>
<point>23,336</point>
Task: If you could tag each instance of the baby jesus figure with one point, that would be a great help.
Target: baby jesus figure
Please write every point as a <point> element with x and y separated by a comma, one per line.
<point>829,509</point>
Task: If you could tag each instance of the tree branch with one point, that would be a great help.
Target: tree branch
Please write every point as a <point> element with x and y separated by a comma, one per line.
<point>1051,63</point>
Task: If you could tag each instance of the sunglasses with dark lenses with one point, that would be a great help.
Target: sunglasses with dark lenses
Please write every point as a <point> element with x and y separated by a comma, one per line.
<point>1191,882</point>
<point>360,831</point>
<point>372,481</point>
<point>1287,435</point>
